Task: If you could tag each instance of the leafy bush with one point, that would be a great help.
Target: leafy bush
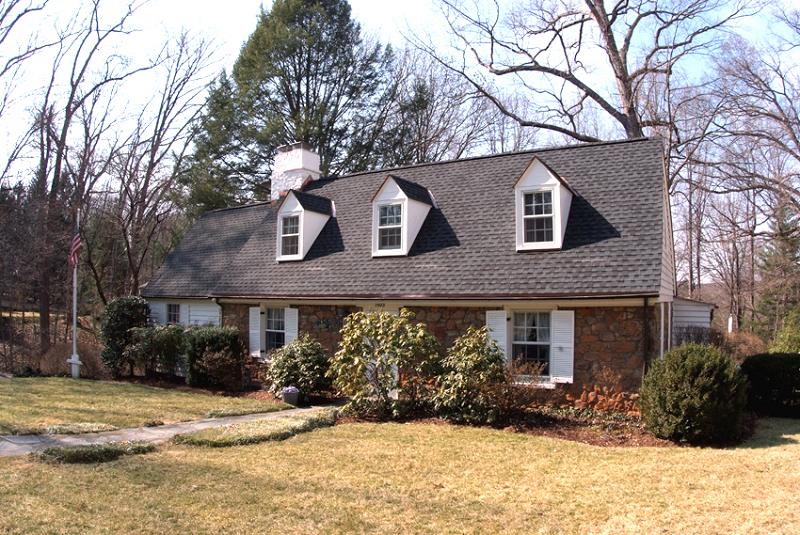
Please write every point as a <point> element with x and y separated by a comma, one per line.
<point>302,363</point>
<point>95,453</point>
<point>695,394</point>
<point>258,430</point>
<point>121,315</point>
<point>215,356</point>
<point>475,385</point>
<point>774,383</point>
<point>385,363</point>
<point>158,348</point>
<point>787,340</point>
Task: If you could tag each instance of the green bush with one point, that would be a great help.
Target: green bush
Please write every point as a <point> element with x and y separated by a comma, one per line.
<point>774,383</point>
<point>158,348</point>
<point>121,315</point>
<point>385,364</point>
<point>475,385</point>
<point>215,356</point>
<point>302,363</point>
<point>95,453</point>
<point>695,394</point>
<point>787,340</point>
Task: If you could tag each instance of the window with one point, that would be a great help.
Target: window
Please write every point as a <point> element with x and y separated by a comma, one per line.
<point>390,221</point>
<point>275,329</point>
<point>173,313</point>
<point>290,235</point>
<point>531,342</point>
<point>538,217</point>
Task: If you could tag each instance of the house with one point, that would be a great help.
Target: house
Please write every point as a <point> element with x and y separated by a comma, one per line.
<point>565,253</point>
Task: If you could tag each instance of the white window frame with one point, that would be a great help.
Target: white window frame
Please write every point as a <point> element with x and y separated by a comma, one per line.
<point>284,234</point>
<point>168,318</point>
<point>540,380</point>
<point>267,328</point>
<point>299,234</point>
<point>554,215</point>
<point>400,226</point>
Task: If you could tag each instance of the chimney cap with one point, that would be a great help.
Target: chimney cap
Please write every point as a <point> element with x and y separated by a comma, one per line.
<point>296,145</point>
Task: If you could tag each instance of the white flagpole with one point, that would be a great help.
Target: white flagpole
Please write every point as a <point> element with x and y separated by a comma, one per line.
<point>75,360</point>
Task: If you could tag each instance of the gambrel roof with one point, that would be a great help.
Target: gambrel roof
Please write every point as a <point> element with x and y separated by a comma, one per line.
<point>466,246</point>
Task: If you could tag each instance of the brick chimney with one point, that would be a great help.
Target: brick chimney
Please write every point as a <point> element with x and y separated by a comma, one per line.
<point>294,165</point>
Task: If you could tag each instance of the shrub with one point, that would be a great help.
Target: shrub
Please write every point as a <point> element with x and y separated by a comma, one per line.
<point>475,385</point>
<point>158,348</point>
<point>385,363</point>
<point>95,453</point>
<point>787,340</point>
<point>302,363</point>
<point>695,394</point>
<point>215,356</point>
<point>774,383</point>
<point>121,315</point>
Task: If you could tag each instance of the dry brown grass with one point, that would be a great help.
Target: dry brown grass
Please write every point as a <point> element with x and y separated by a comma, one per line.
<point>417,478</point>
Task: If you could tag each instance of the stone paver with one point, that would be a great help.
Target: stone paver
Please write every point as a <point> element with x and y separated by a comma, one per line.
<point>11,445</point>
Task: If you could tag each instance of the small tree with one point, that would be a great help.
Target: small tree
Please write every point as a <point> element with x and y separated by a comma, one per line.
<point>158,348</point>
<point>788,338</point>
<point>384,363</point>
<point>215,357</point>
<point>472,387</point>
<point>302,363</point>
<point>121,315</point>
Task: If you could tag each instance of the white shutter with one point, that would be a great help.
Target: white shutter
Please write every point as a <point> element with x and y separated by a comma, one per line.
<point>255,332</point>
<point>158,313</point>
<point>496,321</point>
<point>562,345</point>
<point>185,315</point>
<point>290,319</point>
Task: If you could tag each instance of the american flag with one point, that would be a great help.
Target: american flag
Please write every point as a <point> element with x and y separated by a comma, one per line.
<point>75,250</point>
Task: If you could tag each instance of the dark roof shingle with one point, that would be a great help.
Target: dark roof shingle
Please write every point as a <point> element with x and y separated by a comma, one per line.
<point>466,246</point>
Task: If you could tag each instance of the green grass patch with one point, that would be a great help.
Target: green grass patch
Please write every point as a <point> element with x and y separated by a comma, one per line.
<point>61,405</point>
<point>95,453</point>
<point>259,430</point>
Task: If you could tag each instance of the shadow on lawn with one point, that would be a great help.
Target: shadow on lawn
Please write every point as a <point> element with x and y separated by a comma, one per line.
<point>773,432</point>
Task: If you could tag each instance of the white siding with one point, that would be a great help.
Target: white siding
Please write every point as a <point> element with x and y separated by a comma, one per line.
<point>691,314</point>
<point>667,290</point>
<point>202,314</point>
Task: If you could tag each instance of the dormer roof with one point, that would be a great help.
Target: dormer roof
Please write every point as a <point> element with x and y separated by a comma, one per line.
<point>315,203</point>
<point>413,191</point>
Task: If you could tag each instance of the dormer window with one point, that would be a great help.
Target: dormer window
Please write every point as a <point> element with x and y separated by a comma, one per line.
<point>390,227</point>
<point>399,209</point>
<point>542,204</point>
<point>538,216</point>
<point>301,218</point>
<point>290,235</point>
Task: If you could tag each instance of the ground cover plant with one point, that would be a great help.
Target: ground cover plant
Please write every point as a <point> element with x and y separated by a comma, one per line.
<point>57,404</point>
<point>417,478</point>
<point>95,453</point>
<point>259,430</point>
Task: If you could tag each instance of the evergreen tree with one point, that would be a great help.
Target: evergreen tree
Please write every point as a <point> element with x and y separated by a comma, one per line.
<point>780,272</point>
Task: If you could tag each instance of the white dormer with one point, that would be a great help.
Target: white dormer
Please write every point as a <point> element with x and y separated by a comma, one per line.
<point>542,200</point>
<point>301,217</point>
<point>399,209</point>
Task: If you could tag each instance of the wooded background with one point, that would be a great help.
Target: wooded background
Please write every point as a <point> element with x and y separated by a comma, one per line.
<point>717,80</point>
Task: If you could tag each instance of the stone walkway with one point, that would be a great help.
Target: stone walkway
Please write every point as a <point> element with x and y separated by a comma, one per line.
<point>11,445</point>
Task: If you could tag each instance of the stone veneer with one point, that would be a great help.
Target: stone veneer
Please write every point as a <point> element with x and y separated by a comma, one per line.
<point>607,339</point>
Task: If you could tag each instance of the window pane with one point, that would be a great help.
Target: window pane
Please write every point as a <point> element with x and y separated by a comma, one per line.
<point>539,203</point>
<point>539,229</point>
<point>289,245</point>
<point>274,340</point>
<point>389,215</point>
<point>532,355</point>
<point>275,319</point>
<point>173,313</point>
<point>389,238</point>
<point>291,225</point>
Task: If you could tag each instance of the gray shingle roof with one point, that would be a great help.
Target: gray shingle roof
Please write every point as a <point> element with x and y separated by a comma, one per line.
<point>413,191</point>
<point>465,248</point>
<point>315,203</point>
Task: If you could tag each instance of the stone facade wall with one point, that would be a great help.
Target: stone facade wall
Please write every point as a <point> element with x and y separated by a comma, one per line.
<point>448,323</point>
<point>237,315</point>
<point>324,323</point>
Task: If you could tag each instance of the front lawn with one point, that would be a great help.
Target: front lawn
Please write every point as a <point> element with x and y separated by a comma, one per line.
<point>405,478</point>
<point>38,405</point>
